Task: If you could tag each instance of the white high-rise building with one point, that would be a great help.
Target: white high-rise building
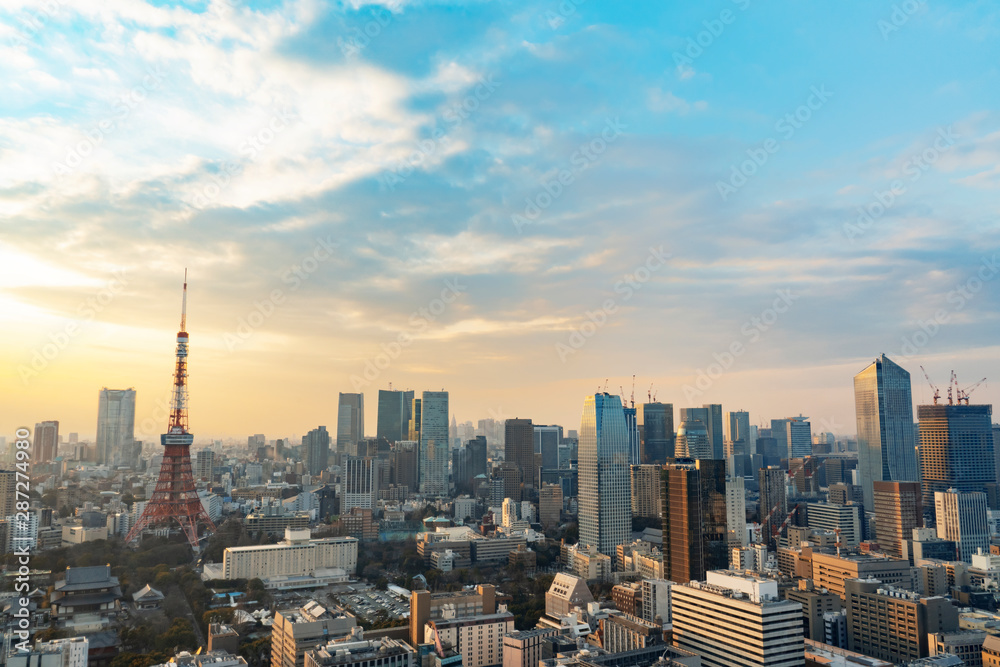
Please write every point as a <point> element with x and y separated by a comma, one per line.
<point>435,453</point>
<point>360,484</point>
<point>736,511</point>
<point>962,517</point>
<point>350,422</point>
<point>605,508</point>
<point>115,426</point>
<point>736,619</point>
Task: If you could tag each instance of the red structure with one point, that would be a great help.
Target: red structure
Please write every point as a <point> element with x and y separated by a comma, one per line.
<point>175,497</point>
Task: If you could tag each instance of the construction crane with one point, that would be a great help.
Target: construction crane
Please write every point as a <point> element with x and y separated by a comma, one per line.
<point>649,394</point>
<point>952,381</point>
<point>937,392</point>
<point>633,391</point>
<point>963,394</point>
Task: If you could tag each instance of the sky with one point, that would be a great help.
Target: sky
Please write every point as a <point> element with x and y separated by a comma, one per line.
<point>734,201</point>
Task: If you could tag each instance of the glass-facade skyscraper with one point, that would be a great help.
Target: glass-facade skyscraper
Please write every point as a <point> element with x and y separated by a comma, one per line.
<point>956,449</point>
<point>657,422</point>
<point>316,450</point>
<point>884,408</point>
<point>394,414</point>
<point>605,514</point>
<point>434,450</point>
<point>115,426</point>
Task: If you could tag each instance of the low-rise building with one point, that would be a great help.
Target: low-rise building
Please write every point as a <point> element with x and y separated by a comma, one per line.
<point>352,652</point>
<point>479,639</point>
<point>301,629</point>
<point>86,599</point>
<point>296,556</point>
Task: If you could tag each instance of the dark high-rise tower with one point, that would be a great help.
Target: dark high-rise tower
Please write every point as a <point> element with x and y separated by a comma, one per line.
<point>519,448</point>
<point>956,449</point>
<point>316,450</point>
<point>175,497</point>
<point>394,415</point>
<point>657,421</point>
<point>884,407</point>
<point>773,503</point>
<point>45,446</point>
<point>710,415</point>
<point>695,529</point>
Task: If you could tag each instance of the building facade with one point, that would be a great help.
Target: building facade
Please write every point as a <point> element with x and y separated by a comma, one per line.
<point>605,488</point>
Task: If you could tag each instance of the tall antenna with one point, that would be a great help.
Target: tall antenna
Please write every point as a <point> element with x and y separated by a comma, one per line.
<point>179,401</point>
<point>184,302</point>
<point>633,390</point>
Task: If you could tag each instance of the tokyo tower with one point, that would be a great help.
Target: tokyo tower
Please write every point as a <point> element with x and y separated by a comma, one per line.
<point>175,497</point>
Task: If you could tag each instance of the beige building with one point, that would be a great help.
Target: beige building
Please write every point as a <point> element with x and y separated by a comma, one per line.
<point>296,556</point>
<point>426,606</point>
<point>478,638</point>
<point>524,649</point>
<point>893,624</point>
<point>967,645</point>
<point>831,571</point>
<point>566,592</point>
<point>296,631</point>
<point>79,534</point>
<point>991,651</point>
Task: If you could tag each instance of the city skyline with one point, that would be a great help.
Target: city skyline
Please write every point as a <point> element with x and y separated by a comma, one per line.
<point>707,206</point>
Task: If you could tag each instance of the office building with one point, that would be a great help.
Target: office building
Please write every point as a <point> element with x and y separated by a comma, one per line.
<point>73,651</point>
<point>115,427</point>
<point>426,606</point>
<point>434,450</point>
<point>816,603</point>
<point>524,648</point>
<point>710,416</point>
<point>736,511</point>
<point>393,422</point>
<point>738,431</point>
<point>773,503</point>
<point>798,435</point>
<point>605,488</point>
<point>962,518</point>
<point>830,571</point>
<point>479,639</point>
<point>45,446</point>
<point>204,463</point>
<point>956,449</point>
<point>779,433</point>
<point>550,505</point>
<point>656,421</point>
<point>891,623</point>
<point>316,450</point>
<point>884,408</point>
<point>547,440</point>
<point>966,645</point>
<point>844,520</point>
<point>733,619</point>
<point>693,439</point>
<point>8,493</point>
<point>694,516</point>
<point>350,422</point>
<point>898,510</point>
<point>645,481</point>
<point>302,629</point>
<point>361,483</point>
<point>519,448</point>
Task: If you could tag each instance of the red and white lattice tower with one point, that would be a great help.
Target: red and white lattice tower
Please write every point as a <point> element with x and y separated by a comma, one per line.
<point>175,497</point>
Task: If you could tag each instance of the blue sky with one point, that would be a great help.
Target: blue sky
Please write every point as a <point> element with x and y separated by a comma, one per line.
<point>542,155</point>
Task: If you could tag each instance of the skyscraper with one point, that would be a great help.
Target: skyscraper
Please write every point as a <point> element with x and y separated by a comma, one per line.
<point>710,415</point>
<point>360,483</point>
<point>519,448</point>
<point>632,428</point>
<point>115,426</point>
<point>738,429</point>
<point>657,422</point>
<point>394,414</point>
<point>316,450</point>
<point>692,440</point>
<point>956,448</point>
<point>694,515</point>
<point>962,518</point>
<point>350,422</point>
<point>898,510</point>
<point>547,439</point>
<point>798,435</point>
<point>605,510</point>
<point>646,491</point>
<point>773,502</point>
<point>46,442</point>
<point>736,511</point>
<point>434,450</point>
<point>884,409</point>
